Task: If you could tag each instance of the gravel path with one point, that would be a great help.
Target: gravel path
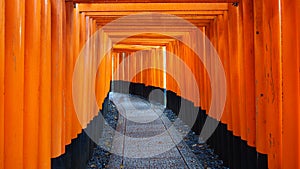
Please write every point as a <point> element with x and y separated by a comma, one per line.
<point>149,137</point>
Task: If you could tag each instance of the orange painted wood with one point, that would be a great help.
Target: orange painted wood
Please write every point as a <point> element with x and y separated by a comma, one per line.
<point>160,70</point>
<point>94,69</point>
<point>101,71</point>
<point>249,67</point>
<point>152,64</point>
<point>179,13</point>
<point>218,46</point>
<point>183,54</point>
<point>269,78</point>
<point>156,71</point>
<point>241,65</point>
<point>56,78</point>
<point>120,65</point>
<point>82,30</point>
<point>126,67</point>
<point>199,67</point>
<point>151,7</point>
<point>2,68</point>
<point>85,63</point>
<point>209,64</point>
<point>273,79</point>
<point>154,1</point>
<point>97,90</point>
<point>176,68</point>
<point>169,82</point>
<point>95,39</point>
<point>226,64</point>
<point>145,72</point>
<point>291,81</point>
<point>69,72</point>
<point>14,83</point>
<point>222,46</point>
<point>116,64</point>
<point>44,151</point>
<point>76,126</point>
<point>204,82</point>
<point>138,67</point>
<point>149,71</point>
<point>64,89</point>
<point>234,68</point>
<point>170,62</point>
<point>208,67</point>
<point>134,67</point>
<point>89,67</point>
<point>31,82</point>
<point>259,87</point>
<point>109,75</point>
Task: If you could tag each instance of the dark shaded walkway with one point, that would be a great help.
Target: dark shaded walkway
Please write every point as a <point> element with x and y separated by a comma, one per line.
<point>148,139</point>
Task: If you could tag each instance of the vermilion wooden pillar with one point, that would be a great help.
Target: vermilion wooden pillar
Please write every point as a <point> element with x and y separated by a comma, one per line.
<point>241,74</point>
<point>2,66</point>
<point>214,39</point>
<point>82,29</point>
<point>259,87</point>
<point>223,35</point>
<point>44,151</point>
<point>14,83</point>
<point>69,70</point>
<point>138,66</point>
<point>133,67</point>
<point>56,78</point>
<point>64,114</point>
<point>291,81</point>
<point>248,33</point>
<point>234,69</point>
<point>269,78</point>
<point>249,74</point>
<point>203,99</point>
<point>76,128</point>
<point>31,82</point>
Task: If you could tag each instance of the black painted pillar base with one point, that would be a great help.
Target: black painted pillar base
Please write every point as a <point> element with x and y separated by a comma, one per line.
<point>81,149</point>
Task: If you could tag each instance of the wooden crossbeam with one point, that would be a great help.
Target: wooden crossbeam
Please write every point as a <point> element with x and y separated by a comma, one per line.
<point>152,7</point>
<point>145,23</point>
<point>167,18</point>
<point>138,27</point>
<point>173,12</point>
<point>115,34</point>
<point>135,47</point>
<point>144,41</point>
<point>153,1</point>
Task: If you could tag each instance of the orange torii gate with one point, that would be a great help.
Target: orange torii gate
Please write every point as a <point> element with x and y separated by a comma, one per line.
<point>257,41</point>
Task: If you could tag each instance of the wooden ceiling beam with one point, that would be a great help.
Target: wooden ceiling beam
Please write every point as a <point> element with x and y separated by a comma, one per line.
<point>135,47</point>
<point>177,13</point>
<point>200,25</point>
<point>152,1</point>
<point>138,27</point>
<point>146,36</point>
<point>152,7</point>
<point>133,18</point>
<point>145,24</point>
<point>143,41</point>
<point>123,50</point>
<point>160,35</point>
